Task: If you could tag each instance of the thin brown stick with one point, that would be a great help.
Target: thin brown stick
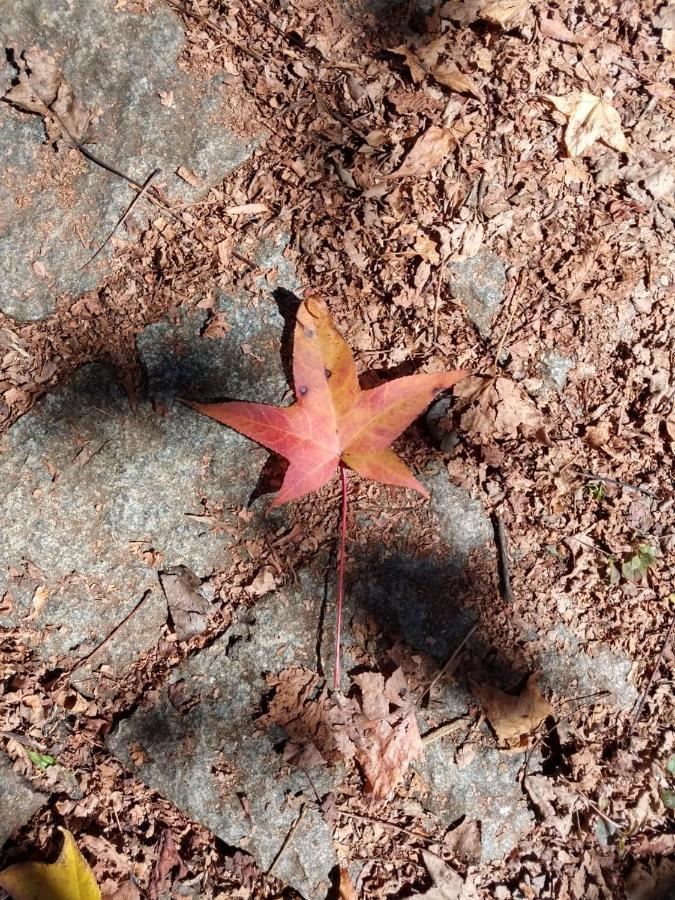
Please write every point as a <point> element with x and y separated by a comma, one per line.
<point>288,838</point>
<point>436,734</point>
<point>448,665</point>
<point>341,575</point>
<point>503,560</point>
<point>593,806</point>
<point>122,219</point>
<point>362,818</point>
<point>645,692</point>
<point>638,489</point>
<point>514,307</point>
<point>111,634</point>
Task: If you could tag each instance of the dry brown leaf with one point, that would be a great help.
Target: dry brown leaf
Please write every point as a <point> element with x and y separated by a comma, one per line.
<point>43,90</point>
<point>555,28</point>
<point>449,75</point>
<point>428,152</point>
<point>506,13</point>
<point>126,891</point>
<point>448,884</point>
<point>464,12</point>
<point>589,119</point>
<point>417,70</point>
<point>597,436</point>
<point>545,795</point>
<point>326,728</point>
<point>263,583</point>
<point>346,887</point>
<point>464,842</point>
<point>665,22</point>
<point>387,742</point>
<point>498,410</point>
<point>168,860</point>
<point>513,717</point>
<point>189,610</point>
<point>315,724</point>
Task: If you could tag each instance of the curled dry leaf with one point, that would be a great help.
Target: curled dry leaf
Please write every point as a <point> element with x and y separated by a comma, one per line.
<point>513,717</point>
<point>387,741</point>
<point>432,59</point>
<point>447,884</point>
<point>589,119</point>
<point>554,28</point>
<point>67,878</point>
<point>189,610</point>
<point>379,728</point>
<point>428,152</point>
<point>315,724</point>
<point>497,408</point>
<point>43,90</point>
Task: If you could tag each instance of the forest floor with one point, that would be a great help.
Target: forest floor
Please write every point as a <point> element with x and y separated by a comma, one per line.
<point>453,215</point>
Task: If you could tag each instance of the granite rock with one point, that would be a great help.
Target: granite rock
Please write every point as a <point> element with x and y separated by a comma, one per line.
<point>479,282</point>
<point>56,206</point>
<point>18,801</point>
<point>95,495</point>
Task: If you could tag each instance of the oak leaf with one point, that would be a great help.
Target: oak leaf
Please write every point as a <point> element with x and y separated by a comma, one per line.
<point>67,878</point>
<point>589,119</point>
<point>333,421</point>
<point>513,717</point>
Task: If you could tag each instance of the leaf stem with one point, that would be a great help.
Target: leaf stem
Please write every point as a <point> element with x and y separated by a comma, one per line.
<point>341,575</point>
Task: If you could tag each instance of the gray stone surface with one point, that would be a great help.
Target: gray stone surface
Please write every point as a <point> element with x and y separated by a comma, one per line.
<point>479,283</point>
<point>424,601</point>
<point>555,368</point>
<point>54,212</point>
<point>217,766</point>
<point>95,495</point>
<point>18,801</point>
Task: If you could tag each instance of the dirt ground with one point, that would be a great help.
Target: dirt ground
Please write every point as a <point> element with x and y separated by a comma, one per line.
<point>567,433</point>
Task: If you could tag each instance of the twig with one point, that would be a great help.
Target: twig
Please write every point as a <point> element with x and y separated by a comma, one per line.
<point>341,575</point>
<point>361,818</point>
<point>514,307</point>
<point>503,559</point>
<point>593,806</point>
<point>638,489</point>
<point>209,24</point>
<point>77,145</point>
<point>437,299</point>
<point>435,734</point>
<point>110,635</point>
<point>448,665</point>
<point>288,838</point>
<point>146,184</point>
<point>643,696</point>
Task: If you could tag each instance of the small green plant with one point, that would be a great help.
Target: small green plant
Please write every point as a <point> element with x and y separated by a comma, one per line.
<point>596,491</point>
<point>42,760</point>
<point>635,567</point>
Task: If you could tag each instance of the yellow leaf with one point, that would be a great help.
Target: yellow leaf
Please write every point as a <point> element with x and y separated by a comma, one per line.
<point>590,119</point>
<point>67,878</point>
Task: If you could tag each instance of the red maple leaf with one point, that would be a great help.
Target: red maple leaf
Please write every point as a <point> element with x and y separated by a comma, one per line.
<point>333,421</point>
